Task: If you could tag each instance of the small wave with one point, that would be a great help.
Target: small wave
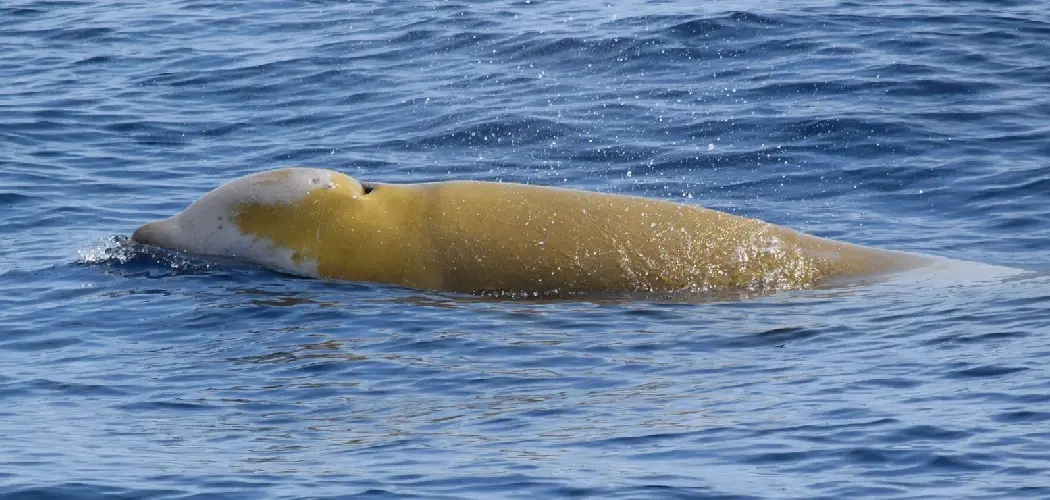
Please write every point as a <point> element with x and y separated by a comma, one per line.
<point>83,490</point>
<point>21,12</point>
<point>8,199</point>
<point>735,25</point>
<point>82,34</point>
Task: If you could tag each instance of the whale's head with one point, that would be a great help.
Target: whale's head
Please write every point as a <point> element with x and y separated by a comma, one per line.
<point>271,218</point>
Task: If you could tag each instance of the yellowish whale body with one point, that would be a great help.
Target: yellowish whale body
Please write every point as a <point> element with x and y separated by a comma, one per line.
<point>481,237</point>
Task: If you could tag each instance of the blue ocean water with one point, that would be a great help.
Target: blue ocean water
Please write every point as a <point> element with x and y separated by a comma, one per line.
<point>921,126</point>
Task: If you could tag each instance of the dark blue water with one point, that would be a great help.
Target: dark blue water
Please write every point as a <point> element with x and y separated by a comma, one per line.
<point>921,126</point>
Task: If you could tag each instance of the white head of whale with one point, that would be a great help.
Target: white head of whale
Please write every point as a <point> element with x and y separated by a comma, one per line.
<point>210,225</point>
